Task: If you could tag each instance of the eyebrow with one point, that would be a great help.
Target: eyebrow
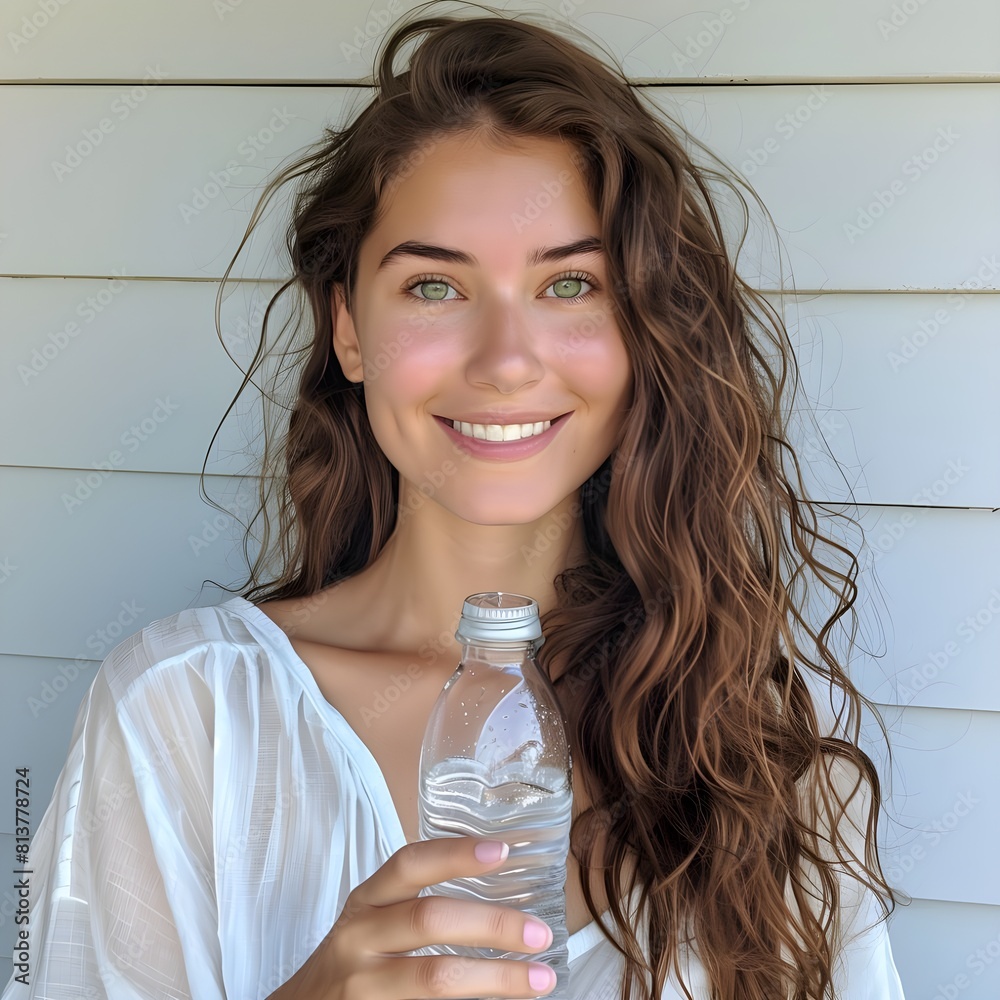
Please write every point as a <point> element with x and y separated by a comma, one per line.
<point>540,255</point>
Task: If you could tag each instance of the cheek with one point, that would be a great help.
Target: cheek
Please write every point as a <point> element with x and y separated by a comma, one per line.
<point>401,368</point>
<point>594,359</point>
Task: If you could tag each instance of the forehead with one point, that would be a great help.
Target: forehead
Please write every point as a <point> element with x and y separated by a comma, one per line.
<point>485,191</point>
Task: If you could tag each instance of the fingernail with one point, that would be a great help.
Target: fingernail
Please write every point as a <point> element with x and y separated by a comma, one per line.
<point>540,977</point>
<point>489,851</point>
<point>536,935</point>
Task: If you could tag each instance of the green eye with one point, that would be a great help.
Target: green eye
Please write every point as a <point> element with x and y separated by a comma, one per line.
<point>435,290</point>
<point>571,286</point>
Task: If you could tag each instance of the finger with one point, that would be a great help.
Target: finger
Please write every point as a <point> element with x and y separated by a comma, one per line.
<point>434,920</point>
<point>456,976</point>
<point>423,863</point>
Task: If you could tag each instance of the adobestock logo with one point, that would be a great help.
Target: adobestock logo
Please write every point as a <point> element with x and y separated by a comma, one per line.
<point>57,341</point>
<point>45,11</point>
<point>914,168</point>
<point>122,107</point>
<point>930,326</point>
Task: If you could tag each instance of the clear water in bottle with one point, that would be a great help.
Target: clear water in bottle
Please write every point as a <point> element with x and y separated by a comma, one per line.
<point>533,817</point>
<point>495,764</point>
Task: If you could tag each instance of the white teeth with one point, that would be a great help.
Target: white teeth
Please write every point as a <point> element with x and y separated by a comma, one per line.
<point>501,432</point>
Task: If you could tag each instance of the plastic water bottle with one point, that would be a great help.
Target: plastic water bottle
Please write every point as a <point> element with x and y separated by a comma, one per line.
<point>495,763</point>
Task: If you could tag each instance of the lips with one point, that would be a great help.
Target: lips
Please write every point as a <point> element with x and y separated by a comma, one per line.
<point>503,450</point>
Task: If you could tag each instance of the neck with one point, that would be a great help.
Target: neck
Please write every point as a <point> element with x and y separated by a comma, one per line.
<point>413,591</point>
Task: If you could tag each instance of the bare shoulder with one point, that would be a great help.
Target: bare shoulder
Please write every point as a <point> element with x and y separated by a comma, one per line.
<point>284,612</point>
<point>314,618</point>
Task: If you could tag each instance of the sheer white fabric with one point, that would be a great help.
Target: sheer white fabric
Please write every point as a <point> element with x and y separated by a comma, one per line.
<point>212,816</point>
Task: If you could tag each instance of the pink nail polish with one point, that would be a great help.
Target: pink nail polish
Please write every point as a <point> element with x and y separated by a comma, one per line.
<point>489,851</point>
<point>540,977</point>
<point>535,935</point>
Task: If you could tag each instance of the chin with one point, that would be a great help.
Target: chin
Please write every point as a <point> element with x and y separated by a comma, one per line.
<point>536,517</point>
<point>499,514</point>
<point>500,519</point>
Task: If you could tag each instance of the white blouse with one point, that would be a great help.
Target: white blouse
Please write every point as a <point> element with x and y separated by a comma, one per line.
<point>213,814</point>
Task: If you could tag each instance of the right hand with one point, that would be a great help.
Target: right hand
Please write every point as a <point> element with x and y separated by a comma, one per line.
<point>383,916</point>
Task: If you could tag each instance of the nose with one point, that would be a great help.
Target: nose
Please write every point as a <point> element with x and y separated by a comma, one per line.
<point>504,355</point>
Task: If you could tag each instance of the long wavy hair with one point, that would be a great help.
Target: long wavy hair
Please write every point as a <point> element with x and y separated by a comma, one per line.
<point>684,635</point>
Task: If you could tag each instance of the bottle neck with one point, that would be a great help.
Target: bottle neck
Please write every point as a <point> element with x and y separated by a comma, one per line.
<point>497,653</point>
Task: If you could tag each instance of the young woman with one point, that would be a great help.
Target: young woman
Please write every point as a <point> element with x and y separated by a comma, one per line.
<point>506,243</point>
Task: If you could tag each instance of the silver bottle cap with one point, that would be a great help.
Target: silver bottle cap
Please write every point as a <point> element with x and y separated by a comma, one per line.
<point>500,617</point>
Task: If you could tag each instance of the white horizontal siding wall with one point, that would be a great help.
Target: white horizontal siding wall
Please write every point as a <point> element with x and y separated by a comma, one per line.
<point>137,137</point>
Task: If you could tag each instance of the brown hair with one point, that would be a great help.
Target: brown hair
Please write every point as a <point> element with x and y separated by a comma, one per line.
<point>686,643</point>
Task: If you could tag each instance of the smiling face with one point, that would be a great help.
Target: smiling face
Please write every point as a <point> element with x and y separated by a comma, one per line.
<point>465,311</point>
